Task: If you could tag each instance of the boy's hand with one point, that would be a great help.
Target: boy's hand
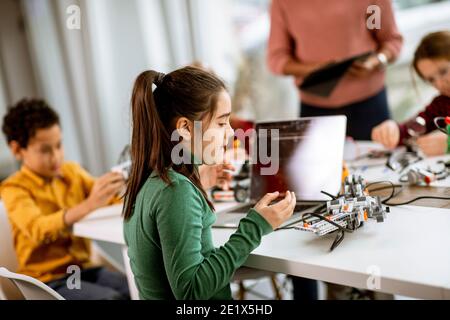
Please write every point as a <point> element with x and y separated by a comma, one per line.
<point>387,133</point>
<point>433,144</point>
<point>279,212</point>
<point>105,187</point>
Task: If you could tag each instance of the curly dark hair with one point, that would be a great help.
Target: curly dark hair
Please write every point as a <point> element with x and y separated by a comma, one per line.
<point>23,119</point>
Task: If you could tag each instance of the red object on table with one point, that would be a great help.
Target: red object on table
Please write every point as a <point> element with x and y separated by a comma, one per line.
<point>245,125</point>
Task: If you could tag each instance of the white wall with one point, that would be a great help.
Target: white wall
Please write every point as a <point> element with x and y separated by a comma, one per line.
<point>118,56</point>
<point>15,66</point>
<point>14,54</point>
<point>213,36</point>
<point>49,65</point>
<point>6,160</point>
<point>154,34</point>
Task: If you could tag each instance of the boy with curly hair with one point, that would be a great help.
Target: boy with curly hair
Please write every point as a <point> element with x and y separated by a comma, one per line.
<point>46,197</point>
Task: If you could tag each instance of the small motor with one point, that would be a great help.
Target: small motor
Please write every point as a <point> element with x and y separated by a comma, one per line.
<point>220,195</point>
<point>241,193</point>
<point>240,186</point>
<point>418,176</point>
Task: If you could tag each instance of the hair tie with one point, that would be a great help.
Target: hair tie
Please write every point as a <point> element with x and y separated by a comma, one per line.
<point>159,79</point>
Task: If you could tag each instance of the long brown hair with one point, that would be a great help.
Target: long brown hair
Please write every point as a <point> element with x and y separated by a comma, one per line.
<point>187,92</point>
<point>435,45</point>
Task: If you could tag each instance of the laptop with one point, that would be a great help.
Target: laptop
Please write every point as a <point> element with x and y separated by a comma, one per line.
<point>310,160</point>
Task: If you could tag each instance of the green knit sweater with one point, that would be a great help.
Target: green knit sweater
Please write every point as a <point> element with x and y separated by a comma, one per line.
<point>170,244</point>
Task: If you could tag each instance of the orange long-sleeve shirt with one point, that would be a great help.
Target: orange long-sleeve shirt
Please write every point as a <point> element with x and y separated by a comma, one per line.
<point>323,31</point>
<point>44,245</point>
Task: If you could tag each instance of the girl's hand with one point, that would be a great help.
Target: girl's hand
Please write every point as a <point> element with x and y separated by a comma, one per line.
<point>216,175</point>
<point>433,144</point>
<point>387,133</point>
<point>279,212</point>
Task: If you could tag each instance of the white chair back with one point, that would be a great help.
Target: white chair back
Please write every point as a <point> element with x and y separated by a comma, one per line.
<point>32,289</point>
<point>8,257</point>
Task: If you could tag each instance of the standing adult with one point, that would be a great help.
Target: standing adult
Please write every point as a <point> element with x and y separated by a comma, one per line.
<point>306,35</point>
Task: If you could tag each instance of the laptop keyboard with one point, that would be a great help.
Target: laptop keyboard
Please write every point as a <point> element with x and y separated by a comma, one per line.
<point>299,207</point>
<point>302,207</point>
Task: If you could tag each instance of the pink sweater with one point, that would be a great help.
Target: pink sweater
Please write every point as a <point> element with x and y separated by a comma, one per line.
<point>325,30</point>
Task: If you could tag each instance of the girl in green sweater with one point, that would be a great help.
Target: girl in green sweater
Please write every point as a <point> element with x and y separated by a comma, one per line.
<point>167,213</point>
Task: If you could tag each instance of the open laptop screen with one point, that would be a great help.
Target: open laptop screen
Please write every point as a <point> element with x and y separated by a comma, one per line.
<point>305,156</point>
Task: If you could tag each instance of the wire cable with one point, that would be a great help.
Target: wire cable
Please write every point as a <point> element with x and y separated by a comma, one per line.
<point>438,126</point>
<point>393,194</point>
<point>337,241</point>
<point>328,194</point>
<point>329,221</point>
<point>391,185</point>
<point>386,187</point>
<point>416,199</point>
<point>341,230</point>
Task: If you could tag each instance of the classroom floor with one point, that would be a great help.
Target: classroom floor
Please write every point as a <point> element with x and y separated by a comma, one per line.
<point>261,289</point>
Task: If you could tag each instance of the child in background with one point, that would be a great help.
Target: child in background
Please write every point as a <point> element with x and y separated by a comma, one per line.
<point>46,197</point>
<point>432,63</point>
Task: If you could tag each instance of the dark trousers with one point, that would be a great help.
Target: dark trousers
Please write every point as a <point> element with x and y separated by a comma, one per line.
<point>96,284</point>
<point>305,289</point>
<point>362,116</point>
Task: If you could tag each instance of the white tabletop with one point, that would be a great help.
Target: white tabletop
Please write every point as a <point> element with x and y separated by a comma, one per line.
<point>407,254</point>
<point>376,170</point>
<point>409,251</point>
<point>106,224</point>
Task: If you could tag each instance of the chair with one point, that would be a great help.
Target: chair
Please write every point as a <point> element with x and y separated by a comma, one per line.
<point>15,286</point>
<point>244,273</point>
<point>8,257</point>
<point>31,288</point>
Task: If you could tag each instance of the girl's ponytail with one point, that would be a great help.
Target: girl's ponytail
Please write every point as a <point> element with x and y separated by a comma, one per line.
<point>148,135</point>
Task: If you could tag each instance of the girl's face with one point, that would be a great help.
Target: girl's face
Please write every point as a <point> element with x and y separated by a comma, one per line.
<point>437,73</point>
<point>217,132</point>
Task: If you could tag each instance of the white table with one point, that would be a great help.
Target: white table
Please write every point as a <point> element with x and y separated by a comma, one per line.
<point>375,169</point>
<point>407,254</point>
